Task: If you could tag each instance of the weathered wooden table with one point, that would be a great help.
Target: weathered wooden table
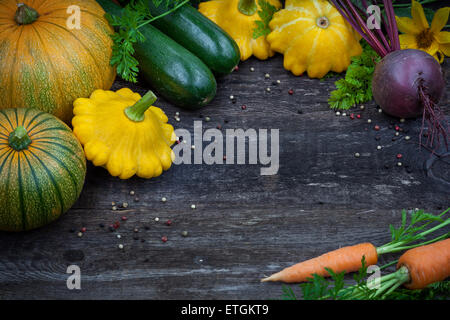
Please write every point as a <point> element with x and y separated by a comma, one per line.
<point>245,225</point>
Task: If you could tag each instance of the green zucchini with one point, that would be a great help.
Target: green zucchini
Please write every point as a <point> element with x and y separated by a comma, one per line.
<point>172,71</point>
<point>200,36</point>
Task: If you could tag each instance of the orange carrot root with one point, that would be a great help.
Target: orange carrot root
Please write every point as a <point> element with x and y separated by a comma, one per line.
<point>427,264</point>
<point>346,259</point>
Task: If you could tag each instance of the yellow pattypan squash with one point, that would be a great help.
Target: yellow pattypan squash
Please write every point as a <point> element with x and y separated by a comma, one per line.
<point>237,17</point>
<point>123,133</point>
<point>314,37</point>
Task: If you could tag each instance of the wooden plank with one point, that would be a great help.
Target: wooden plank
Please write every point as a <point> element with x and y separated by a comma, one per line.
<point>245,225</point>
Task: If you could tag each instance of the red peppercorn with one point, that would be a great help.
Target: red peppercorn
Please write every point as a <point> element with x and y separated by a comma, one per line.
<point>244,107</point>
<point>169,222</point>
<point>352,116</point>
<point>291,92</point>
<point>124,218</point>
<point>236,68</point>
<point>397,128</point>
<point>83,229</point>
<point>377,127</point>
<point>164,239</point>
<point>399,156</point>
<point>358,116</point>
<point>116,225</point>
<point>224,157</point>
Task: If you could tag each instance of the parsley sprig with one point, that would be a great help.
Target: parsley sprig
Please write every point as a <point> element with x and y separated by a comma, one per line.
<point>266,13</point>
<point>356,87</point>
<point>134,16</point>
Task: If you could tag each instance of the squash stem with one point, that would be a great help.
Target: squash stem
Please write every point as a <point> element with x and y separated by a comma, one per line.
<point>19,139</point>
<point>25,14</point>
<point>247,7</point>
<point>136,112</point>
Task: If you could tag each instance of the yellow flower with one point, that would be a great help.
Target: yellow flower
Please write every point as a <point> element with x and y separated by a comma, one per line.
<point>417,34</point>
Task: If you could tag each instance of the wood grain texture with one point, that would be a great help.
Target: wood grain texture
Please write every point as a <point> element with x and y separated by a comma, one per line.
<point>245,225</point>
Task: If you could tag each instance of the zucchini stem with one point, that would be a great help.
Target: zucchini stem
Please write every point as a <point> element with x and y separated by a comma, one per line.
<point>136,112</point>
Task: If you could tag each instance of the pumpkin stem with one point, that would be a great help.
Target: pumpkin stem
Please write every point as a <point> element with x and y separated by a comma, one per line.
<point>25,14</point>
<point>19,139</point>
<point>247,7</point>
<point>136,112</point>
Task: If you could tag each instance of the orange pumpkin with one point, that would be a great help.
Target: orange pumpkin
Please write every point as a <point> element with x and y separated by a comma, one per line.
<point>52,52</point>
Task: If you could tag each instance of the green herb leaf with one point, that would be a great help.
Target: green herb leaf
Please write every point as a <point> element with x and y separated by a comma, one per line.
<point>134,16</point>
<point>266,13</point>
<point>356,87</point>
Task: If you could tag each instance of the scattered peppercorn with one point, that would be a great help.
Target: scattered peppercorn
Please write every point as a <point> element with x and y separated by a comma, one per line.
<point>164,239</point>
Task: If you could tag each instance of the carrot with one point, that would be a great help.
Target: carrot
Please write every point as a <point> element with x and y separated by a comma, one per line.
<point>344,259</point>
<point>427,264</point>
<point>348,259</point>
<point>417,268</point>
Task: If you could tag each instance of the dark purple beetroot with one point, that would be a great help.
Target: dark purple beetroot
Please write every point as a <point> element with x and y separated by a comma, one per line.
<point>400,76</point>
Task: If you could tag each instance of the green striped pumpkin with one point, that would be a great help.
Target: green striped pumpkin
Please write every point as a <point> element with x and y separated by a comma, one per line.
<point>42,169</point>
